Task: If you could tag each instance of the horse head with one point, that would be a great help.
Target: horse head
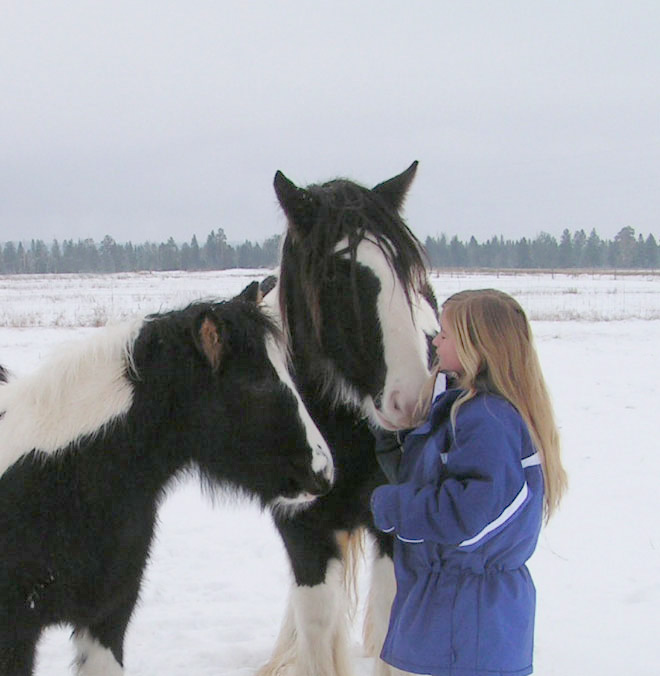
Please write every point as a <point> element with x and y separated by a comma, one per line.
<point>354,297</point>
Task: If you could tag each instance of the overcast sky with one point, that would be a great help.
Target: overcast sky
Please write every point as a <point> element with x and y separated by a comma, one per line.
<point>145,120</point>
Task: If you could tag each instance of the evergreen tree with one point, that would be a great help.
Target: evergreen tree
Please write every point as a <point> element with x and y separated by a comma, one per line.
<point>89,255</point>
<point>55,264</point>
<point>651,254</point>
<point>130,258</point>
<point>438,251</point>
<point>624,247</point>
<point>39,256</point>
<point>10,259</point>
<point>473,253</point>
<point>185,257</point>
<point>21,259</point>
<point>522,254</point>
<point>495,253</point>
<point>107,255</point>
<point>168,255</point>
<point>271,250</point>
<point>457,253</point>
<point>566,250</point>
<point>579,245</point>
<point>545,251</point>
<point>211,252</point>
<point>638,253</point>
<point>593,250</point>
<point>195,258</point>
<point>244,254</point>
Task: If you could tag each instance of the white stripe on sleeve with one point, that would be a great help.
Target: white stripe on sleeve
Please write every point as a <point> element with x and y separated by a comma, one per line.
<point>502,518</point>
<point>410,540</point>
<point>531,460</point>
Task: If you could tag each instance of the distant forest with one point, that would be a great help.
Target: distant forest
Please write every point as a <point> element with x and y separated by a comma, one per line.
<point>573,250</point>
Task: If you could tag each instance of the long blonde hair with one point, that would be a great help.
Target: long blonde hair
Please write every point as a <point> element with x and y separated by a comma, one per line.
<point>495,347</point>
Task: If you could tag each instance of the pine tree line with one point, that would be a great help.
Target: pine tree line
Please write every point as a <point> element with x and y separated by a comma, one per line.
<point>574,250</point>
<point>87,256</point>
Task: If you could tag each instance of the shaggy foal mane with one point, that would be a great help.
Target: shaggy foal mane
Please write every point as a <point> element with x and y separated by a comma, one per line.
<point>239,336</point>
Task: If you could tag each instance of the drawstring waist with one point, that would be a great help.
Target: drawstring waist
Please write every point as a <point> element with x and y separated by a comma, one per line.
<point>472,568</point>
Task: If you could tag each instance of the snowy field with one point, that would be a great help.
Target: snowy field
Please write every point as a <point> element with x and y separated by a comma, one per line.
<point>216,586</point>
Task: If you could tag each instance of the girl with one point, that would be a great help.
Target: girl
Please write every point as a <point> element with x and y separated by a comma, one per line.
<point>474,482</point>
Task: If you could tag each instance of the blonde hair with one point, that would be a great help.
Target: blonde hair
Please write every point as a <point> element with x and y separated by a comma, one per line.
<point>495,347</point>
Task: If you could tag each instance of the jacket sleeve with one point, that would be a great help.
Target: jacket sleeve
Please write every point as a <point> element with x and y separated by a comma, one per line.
<point>483,491</point>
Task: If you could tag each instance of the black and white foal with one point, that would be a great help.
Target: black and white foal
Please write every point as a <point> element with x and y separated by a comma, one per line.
<point>90,442</point>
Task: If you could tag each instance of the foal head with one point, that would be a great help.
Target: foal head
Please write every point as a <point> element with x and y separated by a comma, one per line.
<point>354,296</point>
<point>273,449</point>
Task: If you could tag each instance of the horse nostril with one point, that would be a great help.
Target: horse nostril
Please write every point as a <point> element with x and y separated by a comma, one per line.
<point>399,407</point>
<point>395,402</point>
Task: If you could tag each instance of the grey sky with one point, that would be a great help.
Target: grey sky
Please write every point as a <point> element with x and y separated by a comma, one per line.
<point>145,120</point>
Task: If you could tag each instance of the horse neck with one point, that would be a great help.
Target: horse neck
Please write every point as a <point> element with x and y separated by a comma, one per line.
<point>134,458</point>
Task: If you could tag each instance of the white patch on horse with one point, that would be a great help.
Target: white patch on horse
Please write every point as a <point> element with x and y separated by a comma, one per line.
<point>314,638</point>
<point>74,394</point>
<point>402,325</point>
<point>92,659</point>
<point>321,457</point>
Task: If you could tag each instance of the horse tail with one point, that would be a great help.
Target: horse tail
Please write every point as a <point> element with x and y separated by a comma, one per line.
<point>3,374</point>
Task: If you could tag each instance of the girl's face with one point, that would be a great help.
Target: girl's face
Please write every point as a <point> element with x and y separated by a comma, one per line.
<point>445,347</point>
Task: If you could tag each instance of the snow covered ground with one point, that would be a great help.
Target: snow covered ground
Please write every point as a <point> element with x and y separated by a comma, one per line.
<point>216,586</point>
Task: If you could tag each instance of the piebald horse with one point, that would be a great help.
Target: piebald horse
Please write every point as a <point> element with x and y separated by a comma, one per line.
<point>359,313</point>
<point>90,442</point>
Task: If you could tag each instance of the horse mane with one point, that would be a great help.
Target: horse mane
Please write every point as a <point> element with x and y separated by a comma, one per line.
<point>341,209</point>
<point>176,326</point>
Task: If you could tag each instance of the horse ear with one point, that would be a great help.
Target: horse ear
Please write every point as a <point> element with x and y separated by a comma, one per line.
<point>297,203</point>
<point>209,341</point>
<point>394,190</point>
<point>251,293</point>
<point>268,284</point>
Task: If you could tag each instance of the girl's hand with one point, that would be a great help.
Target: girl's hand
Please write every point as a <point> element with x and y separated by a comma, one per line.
<point>380,498</point>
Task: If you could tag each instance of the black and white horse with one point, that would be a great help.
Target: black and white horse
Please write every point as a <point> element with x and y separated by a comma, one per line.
<point>91,440</point>
<point>355,301</point>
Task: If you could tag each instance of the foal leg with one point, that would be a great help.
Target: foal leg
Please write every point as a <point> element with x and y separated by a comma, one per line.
<point>100,647</point>
<point>92,657</point>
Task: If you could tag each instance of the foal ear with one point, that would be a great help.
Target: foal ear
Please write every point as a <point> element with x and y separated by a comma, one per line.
<point>394,190</point>
<point>208,340</point>
<point>297,203</point>
<point>251,293</point>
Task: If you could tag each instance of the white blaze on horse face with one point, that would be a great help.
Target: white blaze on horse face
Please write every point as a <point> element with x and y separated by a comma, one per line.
<point>321,457</point>
<point>405,329</point>
<point>72,395</point>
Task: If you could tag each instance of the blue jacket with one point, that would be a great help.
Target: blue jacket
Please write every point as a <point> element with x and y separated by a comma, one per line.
<point>466,513</point>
